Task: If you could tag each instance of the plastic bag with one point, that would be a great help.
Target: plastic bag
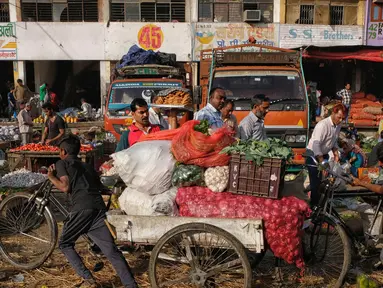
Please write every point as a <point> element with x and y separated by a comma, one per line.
<point>188,175</point>
<point>134,202</point>
<point>340,184</point>
<point>146,166</point>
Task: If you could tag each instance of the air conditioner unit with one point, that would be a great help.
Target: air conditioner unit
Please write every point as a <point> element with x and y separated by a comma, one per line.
<point>252,15</point>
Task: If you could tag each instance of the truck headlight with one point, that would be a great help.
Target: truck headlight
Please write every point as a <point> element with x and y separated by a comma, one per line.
<point>300,138</point>
<point>290,138</point>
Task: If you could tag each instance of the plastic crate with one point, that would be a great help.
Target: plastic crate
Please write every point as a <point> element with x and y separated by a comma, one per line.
<point>262,181</point>
<point>109,147</point>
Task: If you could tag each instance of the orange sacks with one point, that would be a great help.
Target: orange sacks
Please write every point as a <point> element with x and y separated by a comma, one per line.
<point>379,117</point>
<point>364,122</point>
<point>371,97</point>
<point>373,110</point>
<point>363,116</point>
<point>358,95</point>
<point>357,105</point>
<point>356,110</point>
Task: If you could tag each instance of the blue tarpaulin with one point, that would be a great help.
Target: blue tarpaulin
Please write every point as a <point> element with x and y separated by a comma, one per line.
<point>138,56</point>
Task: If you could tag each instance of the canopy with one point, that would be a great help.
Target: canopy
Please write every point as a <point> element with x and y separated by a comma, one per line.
<point>365,55</point>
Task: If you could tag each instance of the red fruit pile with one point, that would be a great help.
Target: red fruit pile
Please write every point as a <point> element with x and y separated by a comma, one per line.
<point>45,148</point>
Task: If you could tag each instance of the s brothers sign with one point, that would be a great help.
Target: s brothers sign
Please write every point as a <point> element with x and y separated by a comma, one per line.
<point>294,36</point>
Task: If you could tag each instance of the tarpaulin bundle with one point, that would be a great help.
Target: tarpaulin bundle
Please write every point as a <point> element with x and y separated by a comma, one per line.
<point>365,55</point>
<point>195,148</point>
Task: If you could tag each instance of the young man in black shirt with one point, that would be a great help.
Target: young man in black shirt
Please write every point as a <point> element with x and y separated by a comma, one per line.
<point>54,126</point>
<point>87,215</point>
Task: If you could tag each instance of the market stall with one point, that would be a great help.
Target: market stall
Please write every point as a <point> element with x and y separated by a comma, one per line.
<point>184,173</point>
<point>33,156</point>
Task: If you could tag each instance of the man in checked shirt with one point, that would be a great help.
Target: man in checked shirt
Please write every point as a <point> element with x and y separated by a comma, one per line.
<point>346,94</point>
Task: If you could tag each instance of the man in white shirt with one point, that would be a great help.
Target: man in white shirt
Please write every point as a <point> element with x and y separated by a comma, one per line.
<point>86,108</point>
<point>156,117</point>
<point>323,140</point>
<point>25,123</point>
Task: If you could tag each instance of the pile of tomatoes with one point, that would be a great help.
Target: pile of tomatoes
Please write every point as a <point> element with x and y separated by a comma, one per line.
<point>45,148</point>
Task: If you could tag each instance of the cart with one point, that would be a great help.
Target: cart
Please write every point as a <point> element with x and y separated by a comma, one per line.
<point>193,252</point>
<point>29,159</point>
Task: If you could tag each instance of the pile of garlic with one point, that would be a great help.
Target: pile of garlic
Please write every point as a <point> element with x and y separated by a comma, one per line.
<point>21,178</point>
<point>217,178</point>
<point>9,133</point>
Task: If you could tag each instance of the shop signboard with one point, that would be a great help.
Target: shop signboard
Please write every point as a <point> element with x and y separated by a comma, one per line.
<point>295,36</point>
<point>374,23</point>
<point>8,46</point>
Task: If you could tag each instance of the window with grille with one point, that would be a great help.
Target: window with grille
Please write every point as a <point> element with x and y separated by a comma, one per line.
<point>336,15</point>
<point>4,12</point>
<point>232,10</point>
<point>148,10</point>
<point>306,14</point>
<point>60,10</point>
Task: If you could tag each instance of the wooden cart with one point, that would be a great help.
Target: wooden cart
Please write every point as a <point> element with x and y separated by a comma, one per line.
<point>30,158</point>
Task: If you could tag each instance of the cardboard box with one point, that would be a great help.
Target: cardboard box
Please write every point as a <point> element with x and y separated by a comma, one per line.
<point>364,174</point>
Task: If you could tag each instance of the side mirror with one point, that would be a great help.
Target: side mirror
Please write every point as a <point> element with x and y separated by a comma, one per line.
<point>197,94</point>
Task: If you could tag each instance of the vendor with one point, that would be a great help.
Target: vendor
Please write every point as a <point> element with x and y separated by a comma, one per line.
<point>252,126</point>
<point>25,123</point>
<point>211,112</point>
<point>54,126</point>
<point>140,125</point>
<point>353,154</point>
<point>228,118</point>
<point>323,140</point>
<point>155,115</point>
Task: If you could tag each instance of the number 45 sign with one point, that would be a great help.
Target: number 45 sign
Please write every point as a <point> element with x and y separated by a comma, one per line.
<point>150,37</point>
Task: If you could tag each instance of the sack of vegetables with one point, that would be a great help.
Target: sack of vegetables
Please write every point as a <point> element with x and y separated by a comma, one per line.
<point>188,175</point>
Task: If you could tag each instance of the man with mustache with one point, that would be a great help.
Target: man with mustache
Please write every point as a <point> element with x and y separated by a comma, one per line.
<point>211,112</point>
<point>140,125</point>
<point>252,126</point>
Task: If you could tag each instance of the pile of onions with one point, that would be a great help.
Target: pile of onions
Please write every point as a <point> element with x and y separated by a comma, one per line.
<point>283,218</point>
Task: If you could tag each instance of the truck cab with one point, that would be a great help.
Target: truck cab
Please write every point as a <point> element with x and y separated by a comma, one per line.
<point>246,70</point>
<point>138,82</point>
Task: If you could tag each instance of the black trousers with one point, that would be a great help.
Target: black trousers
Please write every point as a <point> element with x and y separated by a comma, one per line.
<point>91,222</point>
<point>315,181</point>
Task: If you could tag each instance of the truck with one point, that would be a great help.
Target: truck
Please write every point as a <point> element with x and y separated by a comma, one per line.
<point>140,81</point>
<point>249,69</point>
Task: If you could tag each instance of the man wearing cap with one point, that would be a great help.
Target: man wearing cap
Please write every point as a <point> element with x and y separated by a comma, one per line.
<point>25,123</point>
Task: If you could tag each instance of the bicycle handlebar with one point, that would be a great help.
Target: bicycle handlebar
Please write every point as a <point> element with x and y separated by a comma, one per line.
<point>324,166</point>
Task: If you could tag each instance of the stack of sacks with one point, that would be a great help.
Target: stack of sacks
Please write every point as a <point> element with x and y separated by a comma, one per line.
<point>365,110</point>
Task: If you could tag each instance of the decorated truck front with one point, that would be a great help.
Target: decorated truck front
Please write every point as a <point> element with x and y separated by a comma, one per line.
<point>137,82</point>
<point>245,70</point>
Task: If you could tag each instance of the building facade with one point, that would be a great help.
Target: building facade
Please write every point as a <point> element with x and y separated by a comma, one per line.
<point>73,44</point>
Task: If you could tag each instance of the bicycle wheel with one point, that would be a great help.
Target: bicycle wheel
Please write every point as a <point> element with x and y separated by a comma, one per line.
<point>327,252</point>
<point>27,239</point>
<point>199,255</point>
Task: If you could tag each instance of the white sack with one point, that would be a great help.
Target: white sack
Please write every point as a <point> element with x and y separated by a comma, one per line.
<point>146,166</point>
<point>134,202</point>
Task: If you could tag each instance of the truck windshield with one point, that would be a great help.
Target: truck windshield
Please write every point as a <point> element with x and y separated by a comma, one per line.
<point>123,93</point>
<point>241,86</point>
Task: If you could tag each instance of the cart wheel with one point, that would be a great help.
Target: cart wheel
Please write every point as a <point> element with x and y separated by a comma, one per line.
<point>199,255</point>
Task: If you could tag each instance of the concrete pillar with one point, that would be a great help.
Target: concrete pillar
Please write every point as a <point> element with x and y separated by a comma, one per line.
<point>280,5</point>
<point>191,11</point>
<point>19,71</point>
<point>277,11</point>
<point>358,78</point>
<point>104,82</point>
<point>103,10</point>
<point>14,10</point>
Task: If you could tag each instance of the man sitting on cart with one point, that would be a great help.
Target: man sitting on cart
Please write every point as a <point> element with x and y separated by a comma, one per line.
<point>140,125</point>
<point>87,215</point>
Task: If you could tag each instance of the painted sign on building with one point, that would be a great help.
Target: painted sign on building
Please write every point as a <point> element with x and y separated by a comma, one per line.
<point>294,36</point>
<point>374,23</point>
<point>213,35</point>
<point>8,46</point>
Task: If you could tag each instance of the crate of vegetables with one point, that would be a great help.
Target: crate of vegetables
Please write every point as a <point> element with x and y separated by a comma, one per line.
<point>257,168</point>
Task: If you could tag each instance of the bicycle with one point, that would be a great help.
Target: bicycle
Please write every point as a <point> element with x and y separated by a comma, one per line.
<point>31,216</point>
<point>325,224</point>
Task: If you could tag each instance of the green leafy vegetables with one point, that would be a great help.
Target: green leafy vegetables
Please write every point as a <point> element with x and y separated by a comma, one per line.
<point>257,151</point>
<point>202,127</point>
